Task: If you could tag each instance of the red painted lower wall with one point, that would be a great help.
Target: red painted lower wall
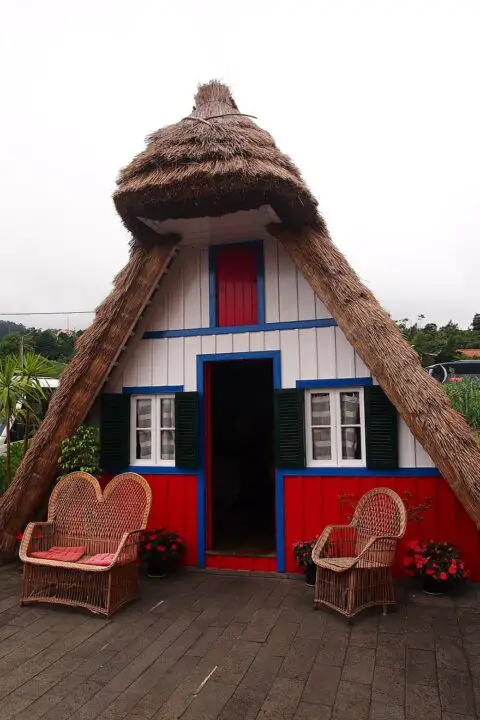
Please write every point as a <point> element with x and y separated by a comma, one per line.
<point>174,507</point>
<point>311,503</point>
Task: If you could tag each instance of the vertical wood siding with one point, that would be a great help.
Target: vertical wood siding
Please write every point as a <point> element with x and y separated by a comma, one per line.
<point>312,502</point>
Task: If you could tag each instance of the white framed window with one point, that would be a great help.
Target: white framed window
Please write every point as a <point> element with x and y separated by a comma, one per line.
<point>335,427</point>
<point>152,432</point>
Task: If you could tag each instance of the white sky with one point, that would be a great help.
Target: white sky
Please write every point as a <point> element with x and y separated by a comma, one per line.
<point>376,102</point>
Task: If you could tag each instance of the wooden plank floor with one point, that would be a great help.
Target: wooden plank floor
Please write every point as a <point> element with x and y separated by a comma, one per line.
<point>205,646</point>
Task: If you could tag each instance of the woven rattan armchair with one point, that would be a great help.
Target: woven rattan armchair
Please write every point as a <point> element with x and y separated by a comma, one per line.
<point>86,554</point>
<point>354,561</point>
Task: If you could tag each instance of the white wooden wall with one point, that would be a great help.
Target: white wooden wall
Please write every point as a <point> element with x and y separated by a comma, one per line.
<point>182,302</point>
<point>410,452</point>
<point>183,298</point>
<point>306,354</point>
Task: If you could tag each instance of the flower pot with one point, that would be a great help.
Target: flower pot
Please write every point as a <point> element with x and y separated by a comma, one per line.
<point>310,574</point>
<point>434,587</point>
<point>156,567</point>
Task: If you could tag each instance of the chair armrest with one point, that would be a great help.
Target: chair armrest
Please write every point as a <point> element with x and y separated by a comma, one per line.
<point>378,550</point>
<point>38,536</point>
<point>343,535</point>
<point>128,549</point>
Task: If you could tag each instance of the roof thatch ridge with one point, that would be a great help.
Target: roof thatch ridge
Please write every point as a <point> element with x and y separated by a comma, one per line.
<point>212,162</point>
<point>96,351</point>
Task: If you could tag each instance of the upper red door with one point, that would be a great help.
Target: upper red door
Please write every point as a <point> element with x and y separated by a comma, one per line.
<point>236,285</point>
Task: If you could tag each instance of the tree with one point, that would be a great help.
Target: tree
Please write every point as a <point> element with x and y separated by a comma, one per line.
<point>31,368</point>
<point>14,391</point>
<point>476,322</point>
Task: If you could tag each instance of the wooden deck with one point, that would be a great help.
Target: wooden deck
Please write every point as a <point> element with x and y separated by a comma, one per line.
<point>207,646</point>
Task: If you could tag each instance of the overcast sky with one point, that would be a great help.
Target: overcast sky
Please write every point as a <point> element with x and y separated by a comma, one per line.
<point>376,102</point>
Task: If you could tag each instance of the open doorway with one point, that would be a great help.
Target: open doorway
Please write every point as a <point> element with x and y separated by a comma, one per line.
<point>240,466</point>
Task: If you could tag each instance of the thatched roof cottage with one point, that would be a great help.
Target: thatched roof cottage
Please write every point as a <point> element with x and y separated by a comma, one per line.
<point>241,366</point>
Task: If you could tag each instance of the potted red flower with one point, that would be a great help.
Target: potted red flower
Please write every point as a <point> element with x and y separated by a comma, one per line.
<point>162,551</point>
<point>437,564</point>
<point>302,552</point>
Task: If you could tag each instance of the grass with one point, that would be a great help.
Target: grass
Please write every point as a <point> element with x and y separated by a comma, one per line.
<point>464,396</point>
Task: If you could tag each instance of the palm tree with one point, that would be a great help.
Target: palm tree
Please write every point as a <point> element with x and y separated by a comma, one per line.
<point>32,367</point>
<point>14,391</point>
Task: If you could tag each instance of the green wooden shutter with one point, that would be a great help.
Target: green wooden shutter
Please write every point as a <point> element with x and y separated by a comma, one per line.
<point>289,428</point>
<point>381,429</point>
<point>114,432</point>
<point>187,430</point>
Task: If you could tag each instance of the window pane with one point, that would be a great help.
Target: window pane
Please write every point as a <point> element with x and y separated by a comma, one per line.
<point>351,443</point>
<point>166,413</point>
<point>350,408</point>
<point>144,413</point>
<point>144,445</point>
<point>320,409</point>
<point>167,445</point>
<point>321,444</point>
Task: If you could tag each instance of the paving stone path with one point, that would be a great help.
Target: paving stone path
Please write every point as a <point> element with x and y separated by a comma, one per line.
<point>221,647</point>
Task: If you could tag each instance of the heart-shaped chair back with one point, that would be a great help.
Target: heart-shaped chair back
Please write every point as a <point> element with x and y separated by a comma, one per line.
<point>81,512</point>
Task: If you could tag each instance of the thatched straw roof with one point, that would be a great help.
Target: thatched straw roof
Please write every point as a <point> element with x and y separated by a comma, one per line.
<point>214,162</point>
<point>97,351</point>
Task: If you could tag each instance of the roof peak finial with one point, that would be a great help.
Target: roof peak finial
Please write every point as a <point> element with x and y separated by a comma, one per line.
<point>214,92</point>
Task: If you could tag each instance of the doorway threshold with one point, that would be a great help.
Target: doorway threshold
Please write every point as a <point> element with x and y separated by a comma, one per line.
<point>241,561</point>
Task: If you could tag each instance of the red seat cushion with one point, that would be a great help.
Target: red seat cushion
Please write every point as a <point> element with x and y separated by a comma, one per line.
<point>65,554</point>
<point>103,559</point>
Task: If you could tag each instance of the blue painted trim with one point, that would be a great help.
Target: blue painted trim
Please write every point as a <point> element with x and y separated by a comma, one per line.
<point>335,382</point>
<point>264,327</point>
<point>280,520</point>
<point>360,472</point>
<point>152,390</point>
<point>159,470</point>
<point>201,489</point>
<point>201,485</point>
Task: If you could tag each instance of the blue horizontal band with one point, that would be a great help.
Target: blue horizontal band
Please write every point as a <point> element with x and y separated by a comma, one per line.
<point>152,389</point>
<point>335,382</point>
<point>305,472</point>
<point>360,472</point>
<point>263,327</point>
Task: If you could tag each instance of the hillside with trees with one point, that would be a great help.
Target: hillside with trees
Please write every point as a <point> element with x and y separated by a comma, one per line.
<point>54,345</point>
<point>436,344</point>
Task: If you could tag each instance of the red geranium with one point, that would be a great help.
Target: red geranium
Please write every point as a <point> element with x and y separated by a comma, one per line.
<point>165,544</point>
<point>437,560</point>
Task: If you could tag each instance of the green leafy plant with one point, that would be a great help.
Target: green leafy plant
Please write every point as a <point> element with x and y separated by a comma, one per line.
<point>16,455</point>
<point>81,451</point>
<point>32,367</point>
<point>16,395</point>
<point>464,395</point>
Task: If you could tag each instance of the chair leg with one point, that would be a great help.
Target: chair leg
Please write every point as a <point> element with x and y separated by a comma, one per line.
<point>385,609</point>
<point>316,594</point>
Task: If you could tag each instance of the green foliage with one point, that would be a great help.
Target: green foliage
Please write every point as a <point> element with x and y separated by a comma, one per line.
<point>81,451</point>
<point>476,322</point>
<point>438,344</point>
<point>15,460</point>
<point>464,396</point>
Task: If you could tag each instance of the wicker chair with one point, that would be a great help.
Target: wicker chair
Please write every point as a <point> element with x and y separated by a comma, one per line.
<point>354,561</point>
<point>97,533</point>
